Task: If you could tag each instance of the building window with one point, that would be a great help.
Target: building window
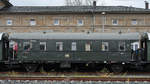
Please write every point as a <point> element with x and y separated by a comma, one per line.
<point>134,22</point>
<point>80,22</point>
<point>56,22</point>
<point>105,46</point>
<point>74,46</point>
<point>27,46</point>
<point>121,46</point>
<point>59,46</point>
<point>32,22</point>
<point>9,22</point>
<point>43,46</point>
<point>87,47</point>
<point>114,22</point>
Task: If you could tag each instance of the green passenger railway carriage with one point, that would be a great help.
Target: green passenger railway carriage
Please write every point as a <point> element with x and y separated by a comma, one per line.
<point>75,50</point>
<point>145,55</point>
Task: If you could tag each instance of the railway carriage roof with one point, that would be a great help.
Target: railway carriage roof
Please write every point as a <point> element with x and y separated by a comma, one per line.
<point>92,36</point>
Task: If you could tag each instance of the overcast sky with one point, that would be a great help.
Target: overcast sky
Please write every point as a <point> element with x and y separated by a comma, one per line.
<point>134,3</point>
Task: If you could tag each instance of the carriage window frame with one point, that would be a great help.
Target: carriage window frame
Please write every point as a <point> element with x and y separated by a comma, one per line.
<point>105,46</point>
<point>74,46</point>
<point>45,46</point>
<point>59,46</point>
<point>124,46</point>
<point>88,47</point>
<point>25,44</point>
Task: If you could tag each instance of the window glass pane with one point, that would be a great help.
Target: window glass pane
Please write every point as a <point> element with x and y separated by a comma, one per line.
<point>27,46</point>
<point>73,46</point>
<point>104,46</point>
<point>11,44</point>
<point>134,22</point>
<point>80,22</point>
<point>32,22</point>
<point>9,22</point>
<point>59,46</point>
<point>87,47</point>
<point>121,46</point>
<point>43,46</point>
<point>115,22</point>
<point>135,45</point>
<point>56,22</point>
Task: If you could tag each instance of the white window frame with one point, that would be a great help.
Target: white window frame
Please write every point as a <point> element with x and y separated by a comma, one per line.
<point>32,22</point>
<point>74,46</point>
<point>114,21</point>
<point>56,21</point>
<point>9,22</point>
<point>60,44</point>
<point>80,22</point>
<point>134,21</point>
<point>43,43</point>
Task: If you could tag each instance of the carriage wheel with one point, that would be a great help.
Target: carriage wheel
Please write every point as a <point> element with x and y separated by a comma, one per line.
<point>50,67</point>
<point>47,67</point>
<point>147,68</point>
<point>31,67</point>
<point>117,68</point>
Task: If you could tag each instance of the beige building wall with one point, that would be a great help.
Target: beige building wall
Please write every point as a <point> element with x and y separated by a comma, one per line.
<point>69,23</point>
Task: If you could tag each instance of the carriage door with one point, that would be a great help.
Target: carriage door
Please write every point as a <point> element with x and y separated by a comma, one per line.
<point>145,44</point>
<point>13,49</point>
<point>5,47</point>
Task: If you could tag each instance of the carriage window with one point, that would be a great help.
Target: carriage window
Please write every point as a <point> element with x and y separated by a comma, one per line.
<point>43,46</point>
<point>59,46</point>
<point>27,46</point>
<point>104,46</point>
<point>121,46</point>
<point>87,47</point>
<point>134,45</point>
<point>74,46</point>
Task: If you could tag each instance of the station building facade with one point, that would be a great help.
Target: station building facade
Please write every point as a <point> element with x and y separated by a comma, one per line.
<point>73,18</point>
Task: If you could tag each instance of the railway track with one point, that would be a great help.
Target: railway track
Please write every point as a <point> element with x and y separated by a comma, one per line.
<point>94,75</point>
<point>72,80</point>
<point>75,78</point>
